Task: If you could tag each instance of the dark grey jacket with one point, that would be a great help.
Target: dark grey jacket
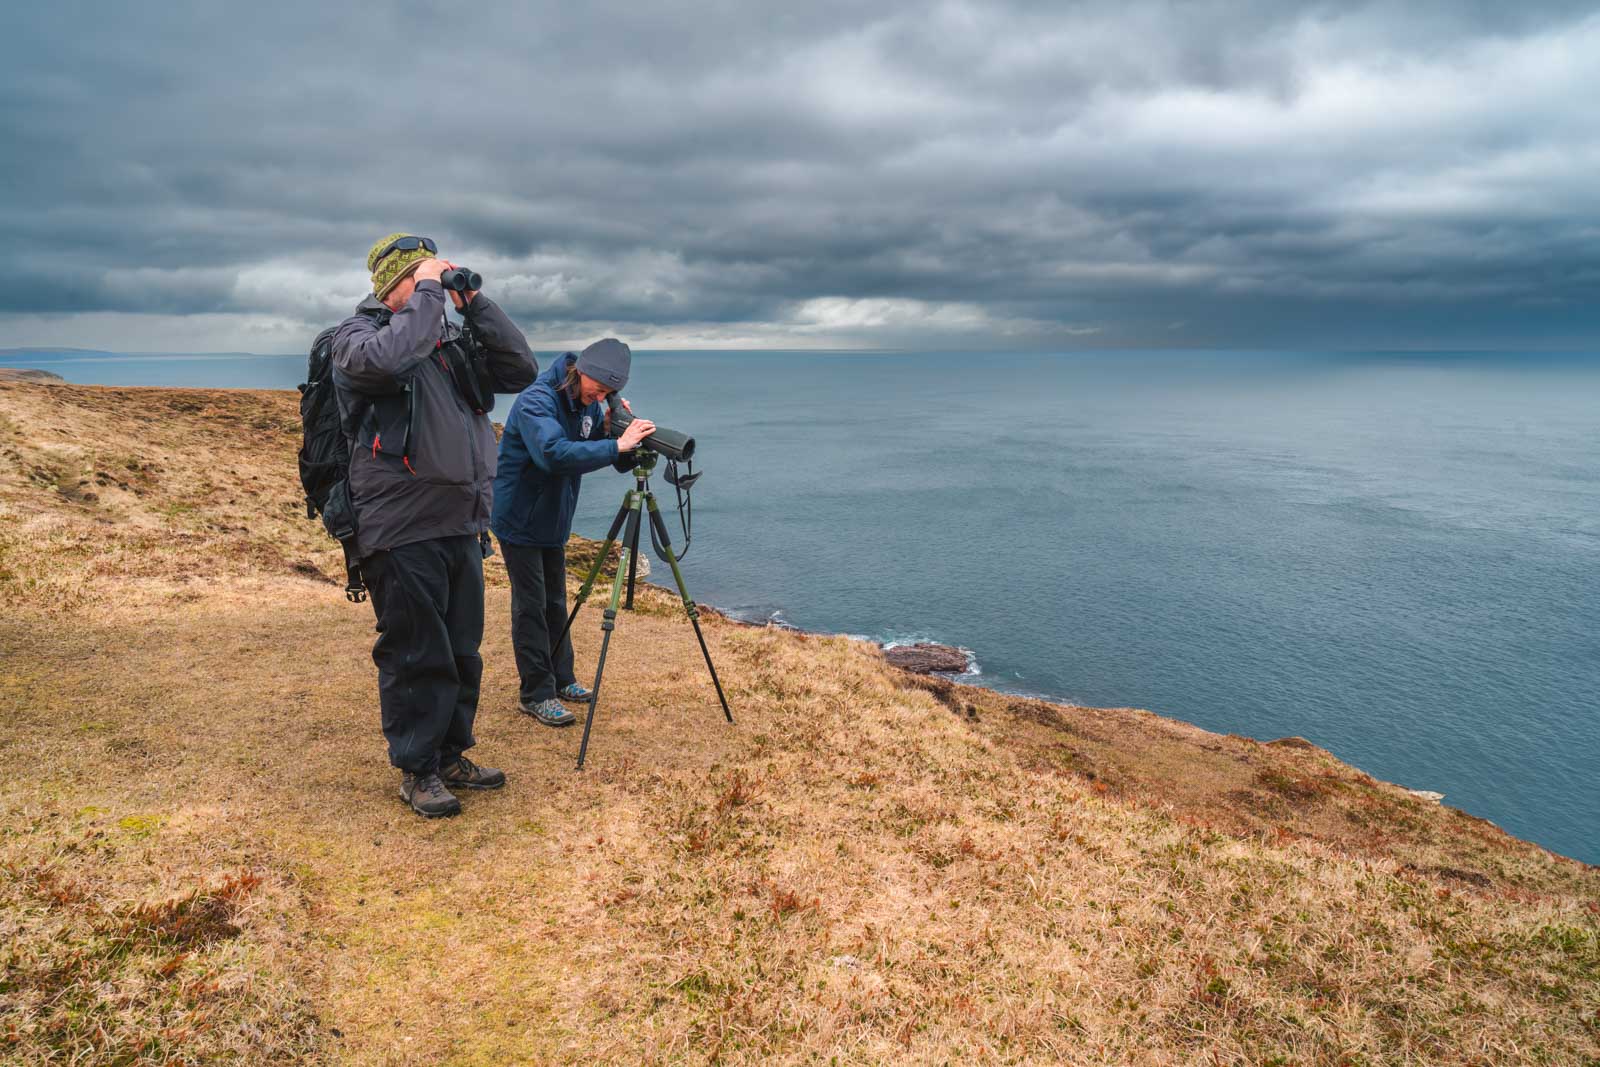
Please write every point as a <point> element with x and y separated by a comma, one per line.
<point>422,462</point>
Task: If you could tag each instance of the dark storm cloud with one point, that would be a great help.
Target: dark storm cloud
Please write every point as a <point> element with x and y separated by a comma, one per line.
<point>1206,173</point>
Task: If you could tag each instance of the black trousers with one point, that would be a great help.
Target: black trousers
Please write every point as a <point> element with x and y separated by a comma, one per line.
<point>538,612</point>
<point>428,597</point>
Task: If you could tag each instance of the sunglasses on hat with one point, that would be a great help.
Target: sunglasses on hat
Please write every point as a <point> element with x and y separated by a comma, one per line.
<point>408,244</point>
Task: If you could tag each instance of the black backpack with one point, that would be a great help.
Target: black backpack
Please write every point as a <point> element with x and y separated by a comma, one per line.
<point>325,460</point>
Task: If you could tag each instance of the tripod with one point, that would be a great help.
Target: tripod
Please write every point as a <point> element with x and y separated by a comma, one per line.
<point>634,502</point>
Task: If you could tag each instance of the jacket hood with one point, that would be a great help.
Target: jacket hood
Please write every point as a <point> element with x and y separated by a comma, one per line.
<point>556,372</point>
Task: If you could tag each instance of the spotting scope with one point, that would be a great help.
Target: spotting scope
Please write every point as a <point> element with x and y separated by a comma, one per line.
<point>670,443</point>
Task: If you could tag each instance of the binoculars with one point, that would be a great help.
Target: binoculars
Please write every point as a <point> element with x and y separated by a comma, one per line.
<point>461,280</point>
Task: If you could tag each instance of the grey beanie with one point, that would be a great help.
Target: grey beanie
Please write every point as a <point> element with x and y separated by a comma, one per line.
<point>607,362</point>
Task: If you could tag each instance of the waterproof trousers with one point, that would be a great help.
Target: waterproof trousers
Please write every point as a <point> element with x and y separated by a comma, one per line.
<point>428,597</point>
<point>538,613</point>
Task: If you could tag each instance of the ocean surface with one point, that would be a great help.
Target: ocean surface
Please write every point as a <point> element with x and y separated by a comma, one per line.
<point>1396,556</point>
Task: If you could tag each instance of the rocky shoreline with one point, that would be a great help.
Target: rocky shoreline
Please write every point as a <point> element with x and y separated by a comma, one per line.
<point>920,657</point>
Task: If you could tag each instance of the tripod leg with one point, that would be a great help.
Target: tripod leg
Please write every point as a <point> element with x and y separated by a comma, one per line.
<point>665,545</point>
<point>610,622</point>
<point>594,572</point>
<point>633,568</point>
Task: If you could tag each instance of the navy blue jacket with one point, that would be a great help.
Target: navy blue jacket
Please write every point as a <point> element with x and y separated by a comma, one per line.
<point>550,442</point>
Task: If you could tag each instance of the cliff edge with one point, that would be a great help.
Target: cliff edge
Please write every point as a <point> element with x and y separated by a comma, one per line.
<point>204,857</point>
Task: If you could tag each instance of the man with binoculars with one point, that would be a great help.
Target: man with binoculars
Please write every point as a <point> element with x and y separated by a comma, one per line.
<point>414,395</point>
<point>557,431</point>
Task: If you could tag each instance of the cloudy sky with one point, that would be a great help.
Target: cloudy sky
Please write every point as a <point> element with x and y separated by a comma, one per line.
<point>208,176</point>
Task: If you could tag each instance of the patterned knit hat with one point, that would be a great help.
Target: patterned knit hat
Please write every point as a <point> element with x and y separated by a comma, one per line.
<point>392,268</point>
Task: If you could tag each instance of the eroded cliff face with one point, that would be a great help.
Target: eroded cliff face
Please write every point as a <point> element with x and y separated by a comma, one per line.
<point>204,858</point>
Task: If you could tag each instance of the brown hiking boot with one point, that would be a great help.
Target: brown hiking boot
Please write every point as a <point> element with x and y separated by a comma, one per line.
<point>427,795</point>
<point>464,774</point>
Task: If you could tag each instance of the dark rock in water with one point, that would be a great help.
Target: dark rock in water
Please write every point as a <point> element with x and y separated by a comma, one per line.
<point>26,374</point>
<point>927,659</point>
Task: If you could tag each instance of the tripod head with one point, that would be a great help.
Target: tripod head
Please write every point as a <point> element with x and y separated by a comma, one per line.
<point>681,481</point>
<point>644,464</point>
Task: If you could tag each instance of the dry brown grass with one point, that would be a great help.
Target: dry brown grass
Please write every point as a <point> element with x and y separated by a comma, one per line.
<point>203,861</point>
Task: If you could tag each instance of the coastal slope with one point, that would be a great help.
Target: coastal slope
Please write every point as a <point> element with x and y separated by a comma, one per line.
<point>204,859</point>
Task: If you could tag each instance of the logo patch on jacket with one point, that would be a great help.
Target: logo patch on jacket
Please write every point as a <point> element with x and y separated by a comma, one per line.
<point>588,424</point>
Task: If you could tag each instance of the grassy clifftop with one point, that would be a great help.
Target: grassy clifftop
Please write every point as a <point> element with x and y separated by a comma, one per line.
<point>203,859</point>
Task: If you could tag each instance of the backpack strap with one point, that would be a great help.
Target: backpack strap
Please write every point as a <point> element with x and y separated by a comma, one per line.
<point>355,590</point>
<point>339,519</point>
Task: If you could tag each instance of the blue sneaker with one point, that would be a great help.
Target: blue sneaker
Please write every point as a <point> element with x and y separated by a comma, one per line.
<point>574,691</point>
<point>549,712</point>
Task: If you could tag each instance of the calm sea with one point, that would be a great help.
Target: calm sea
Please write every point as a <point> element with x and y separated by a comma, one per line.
<point>1396,556</point>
